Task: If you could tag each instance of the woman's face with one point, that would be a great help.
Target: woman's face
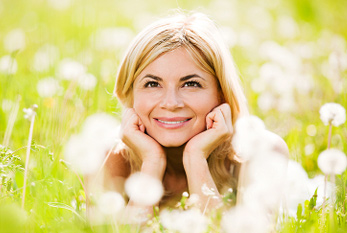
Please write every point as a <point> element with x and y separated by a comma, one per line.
<point>172,97</point>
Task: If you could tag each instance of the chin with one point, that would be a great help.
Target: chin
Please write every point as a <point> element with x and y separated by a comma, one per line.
<point>171,143</point>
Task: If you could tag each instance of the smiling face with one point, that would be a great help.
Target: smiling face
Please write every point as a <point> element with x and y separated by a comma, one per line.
<point>172,97</point>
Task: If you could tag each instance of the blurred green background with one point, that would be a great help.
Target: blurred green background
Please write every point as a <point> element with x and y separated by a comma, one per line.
<point>291,55</point>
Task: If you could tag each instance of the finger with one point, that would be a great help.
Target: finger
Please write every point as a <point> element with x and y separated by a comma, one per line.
<point>226,111</point>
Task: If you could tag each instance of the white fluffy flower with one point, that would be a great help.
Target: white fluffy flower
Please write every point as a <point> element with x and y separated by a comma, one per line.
<point>332,113</point>
<point>70,69</point>
<point>14,40</point>
<point>8,65</point>
<point>332,161</point>
<point>245,220</point>
<point>30,112</point>
<point>87,81</point>
<point>144,189</point>
<point>250,137</point>
<point>45,58</point>
<point>48,87</point>
<point>87,150</point>
<point>60,4</point>
<point>184,221</point>
<point>110,203</point>
<point>112,38</point>
<point>208,191</point>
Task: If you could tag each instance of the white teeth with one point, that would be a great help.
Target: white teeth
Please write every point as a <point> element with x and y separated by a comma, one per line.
<point>171,122</point>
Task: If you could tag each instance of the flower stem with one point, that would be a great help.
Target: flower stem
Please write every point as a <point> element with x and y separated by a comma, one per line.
<point>27,158</point>
<point>329,135</point>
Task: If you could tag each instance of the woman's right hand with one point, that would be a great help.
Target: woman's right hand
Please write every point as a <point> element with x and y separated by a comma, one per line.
<point>149,150</point>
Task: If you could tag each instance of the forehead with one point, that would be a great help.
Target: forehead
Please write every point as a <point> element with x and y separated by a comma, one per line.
<point>176,63</point>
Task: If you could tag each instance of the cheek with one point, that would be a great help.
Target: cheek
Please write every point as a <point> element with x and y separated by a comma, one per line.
<point>142,106</point>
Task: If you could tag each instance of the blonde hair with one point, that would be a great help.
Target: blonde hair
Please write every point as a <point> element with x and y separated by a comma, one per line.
<point>202,39</point>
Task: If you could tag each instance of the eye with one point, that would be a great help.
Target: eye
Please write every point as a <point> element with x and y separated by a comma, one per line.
<point>151,84</point>
<point>192,84</point>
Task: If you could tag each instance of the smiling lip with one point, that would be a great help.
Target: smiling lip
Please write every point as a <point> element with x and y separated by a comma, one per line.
<point>172,123</point>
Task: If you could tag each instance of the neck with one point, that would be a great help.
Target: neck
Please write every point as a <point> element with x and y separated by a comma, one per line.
<point>174,157</point>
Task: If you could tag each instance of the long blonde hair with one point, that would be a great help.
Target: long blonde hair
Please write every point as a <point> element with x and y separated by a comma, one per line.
<point>202,39</point>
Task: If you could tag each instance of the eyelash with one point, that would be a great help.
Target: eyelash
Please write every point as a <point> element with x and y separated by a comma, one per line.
<point>150,84</point>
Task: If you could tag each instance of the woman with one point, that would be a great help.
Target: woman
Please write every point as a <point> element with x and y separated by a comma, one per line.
<point>182,97</point>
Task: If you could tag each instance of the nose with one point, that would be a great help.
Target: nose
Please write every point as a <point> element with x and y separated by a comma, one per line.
<point>171,100</point>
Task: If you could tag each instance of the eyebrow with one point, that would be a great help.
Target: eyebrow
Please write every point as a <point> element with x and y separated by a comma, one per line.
<point>185,78</point>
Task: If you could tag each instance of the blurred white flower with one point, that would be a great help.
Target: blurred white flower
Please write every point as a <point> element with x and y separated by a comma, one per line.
<point>70,69</point>
<point>144,189</point>
<point>266,101</point>
<point>296,189</point>
<point>87,150</point>
<point>8,65</point>
<point>332,113</point>
<point>250,137</point>
<point>60,4</point>
<point>184,221</point>
<point>193,200</point>
<point>112,38</point>
<point>287,27</point>
<point>48,87</point>
<point>110,203</point>
<point>87,81</point>
<point>332,161</point>
<point>245,220</point>
<point>45,58</point>
<point>207,191</point>
<point>30,112</point>
<point>14,40</point>
<point>338,60</point>
<point>7,105</point>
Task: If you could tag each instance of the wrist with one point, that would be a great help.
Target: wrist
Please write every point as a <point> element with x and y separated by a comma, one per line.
<point>154,166</point>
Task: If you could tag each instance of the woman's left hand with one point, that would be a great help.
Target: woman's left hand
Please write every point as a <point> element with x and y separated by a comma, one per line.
<point>219,129</point>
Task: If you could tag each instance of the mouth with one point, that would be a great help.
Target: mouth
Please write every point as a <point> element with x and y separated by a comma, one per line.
<point>172,123</point>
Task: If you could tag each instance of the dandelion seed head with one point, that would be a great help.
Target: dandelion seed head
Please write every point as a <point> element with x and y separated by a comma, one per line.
<point>185,194</point>
<point>45,58</point>
<point>70,69</point>
<point>184,221</point>
<point>144,189</point>
<point>60,4</point>
<point>207,191</point>
<point>238,220</point>
<point>8,65</point>
<point>14,40</point>
<point>332,161</point>
<point>332,113</point>
<point>48,87</point>
<point>110,203</point>
<point>29,113</point>
<point>87,81</point>
<point>87,150</point>
<point>112,38</point>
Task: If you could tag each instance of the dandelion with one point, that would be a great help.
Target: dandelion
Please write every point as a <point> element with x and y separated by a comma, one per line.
<point>45,58</point>
<point>144,189</point>
<point>14,40</point>
<point>184,221</point>
<point>70,69</point>
<point>87,150</point>
<point>87,81</point>
<point>112,38</point>
<point>332,162</point>
<point>332,113</point>
<point>30,112</point>
<point>110,203</point>
<point>8,65</point>
<point>207,191</point>
<point>48,87</point>
<point>243,219</point>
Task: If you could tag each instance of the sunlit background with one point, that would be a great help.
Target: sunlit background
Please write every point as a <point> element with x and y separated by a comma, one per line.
<point>63,56</point>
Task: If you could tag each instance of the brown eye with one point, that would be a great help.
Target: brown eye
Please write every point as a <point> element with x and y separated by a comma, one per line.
<point>192,84</point>
<point>152,84</point>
